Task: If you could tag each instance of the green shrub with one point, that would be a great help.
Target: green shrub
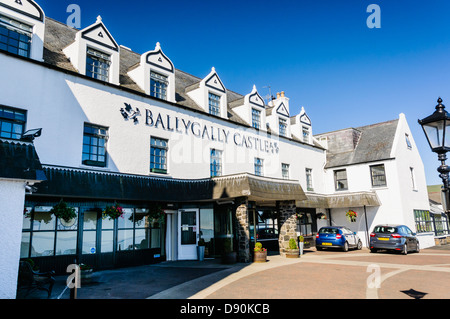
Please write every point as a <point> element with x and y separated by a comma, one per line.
<point>292,244</point>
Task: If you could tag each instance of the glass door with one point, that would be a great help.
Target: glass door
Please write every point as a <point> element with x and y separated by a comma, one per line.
<point>188,232</point>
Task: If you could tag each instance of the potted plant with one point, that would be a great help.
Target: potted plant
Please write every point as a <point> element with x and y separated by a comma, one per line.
<point>113,212</point>
<point>156,214</point>
<point>292,251</point>
<point>65,213</point>
<point>260,253</point>
<point>301,240</point>
<point>351,215</point>
<point>201,249</point>
<point>86,273</point>
<point>229,256</point>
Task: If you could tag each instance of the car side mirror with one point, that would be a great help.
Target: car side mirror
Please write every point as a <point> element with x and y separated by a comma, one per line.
<point>414,234</point>
<point>354,233</point>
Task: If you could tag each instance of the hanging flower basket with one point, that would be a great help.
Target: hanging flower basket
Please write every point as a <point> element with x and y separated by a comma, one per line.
<point>351,215</point>
<point>113,212</point>
<point>64,212</point>
<point>156,214</point>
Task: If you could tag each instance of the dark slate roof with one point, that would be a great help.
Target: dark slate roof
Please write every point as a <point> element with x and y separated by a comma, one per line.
<point>58,36</point>
<point>360,145</point>
<point>19,160</point>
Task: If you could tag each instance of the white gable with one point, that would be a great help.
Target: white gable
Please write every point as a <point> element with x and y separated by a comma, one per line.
<point>214,82</point>
<point>26,7</point>
<point>305,119</point>
<point>282,110</point>
<point>100,35</point>
<point>256,99</point>
<point>159,59</point>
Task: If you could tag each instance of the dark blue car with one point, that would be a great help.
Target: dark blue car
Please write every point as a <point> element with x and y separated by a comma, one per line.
<point>337,237</point>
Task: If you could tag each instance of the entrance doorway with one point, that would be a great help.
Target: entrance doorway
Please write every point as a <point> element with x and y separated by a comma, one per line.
<point>188,233</point>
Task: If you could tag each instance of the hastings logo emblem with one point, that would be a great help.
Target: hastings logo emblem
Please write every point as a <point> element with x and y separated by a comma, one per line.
<point>129,114</point>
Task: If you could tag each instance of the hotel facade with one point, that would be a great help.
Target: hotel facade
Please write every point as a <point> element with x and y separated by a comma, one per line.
<point>90,123</point>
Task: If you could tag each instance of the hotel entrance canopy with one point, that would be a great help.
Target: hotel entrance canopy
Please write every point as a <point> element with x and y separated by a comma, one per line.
<point>78,183</point>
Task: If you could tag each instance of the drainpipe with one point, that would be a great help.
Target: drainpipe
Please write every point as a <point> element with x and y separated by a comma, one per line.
<point>367,227</point>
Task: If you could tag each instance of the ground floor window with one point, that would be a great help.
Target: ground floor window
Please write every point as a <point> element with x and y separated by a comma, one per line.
<point>440,224</point>
<point>423,221</point>
<point>45,235</point>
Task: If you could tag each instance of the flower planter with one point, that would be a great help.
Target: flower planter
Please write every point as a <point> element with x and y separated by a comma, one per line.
<point>260,257</point>
<point>292,253</point>
<point>86,276</point>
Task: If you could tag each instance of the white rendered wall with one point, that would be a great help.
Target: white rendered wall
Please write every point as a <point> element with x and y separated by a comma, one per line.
<point>12,197</point>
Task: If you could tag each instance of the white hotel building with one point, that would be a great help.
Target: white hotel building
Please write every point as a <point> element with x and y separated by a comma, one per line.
<point>129,128</point>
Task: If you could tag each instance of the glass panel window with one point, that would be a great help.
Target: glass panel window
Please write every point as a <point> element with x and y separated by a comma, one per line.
<point>256,118</point>
<point>43,244</point>
<point>309,180</point>
<point>378,175</point>
<point>285,171</point>
<point>158,85</point>
<point>408,141</point>
<point>107,243</point>
<point>12,123</point>
<point>15,37</point>
<point>25,245</point>
<point>214,104</point>
<point>259,166</point>
<point>66,243</point>
<point>158,155</point>
<point>305,131</point>
<point>94,145</point>
<point>216,163</point>
<point>97,64</point>
<point>142,238</point>
<point>340,178</point>
<point>423,221</point>
<point>283,127</point>
<point>124,239</point>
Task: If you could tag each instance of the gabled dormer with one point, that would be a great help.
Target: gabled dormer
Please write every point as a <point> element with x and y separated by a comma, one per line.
<point>278,118</point>
<point>22,28</point>
<point>301,127</point>
<point>95,53</point>
<point>155,75</point>
<point>252,109</point>
<point>210,94</point>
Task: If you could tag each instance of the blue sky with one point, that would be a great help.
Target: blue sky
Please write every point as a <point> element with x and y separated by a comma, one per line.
<point>320,52</point>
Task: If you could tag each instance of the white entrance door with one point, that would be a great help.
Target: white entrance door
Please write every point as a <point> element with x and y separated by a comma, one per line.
<point>188,231</point>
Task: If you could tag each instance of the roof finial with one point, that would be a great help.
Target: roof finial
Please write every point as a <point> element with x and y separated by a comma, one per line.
<point>99,19</point>
<point>158,46</point>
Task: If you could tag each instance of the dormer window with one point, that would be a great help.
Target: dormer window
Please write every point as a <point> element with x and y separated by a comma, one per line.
<point>305,134</point>
<point>97,64</point>
<point>15,36</point>
<point>256,118</point>
<point>283,127</point>
<point>158,85</point>
<point>214,104</point>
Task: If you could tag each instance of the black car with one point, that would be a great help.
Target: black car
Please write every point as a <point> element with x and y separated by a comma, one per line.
<point>393,237</point>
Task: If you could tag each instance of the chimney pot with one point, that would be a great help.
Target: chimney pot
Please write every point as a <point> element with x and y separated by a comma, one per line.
<point>282,94</point>
<point>278,95</point>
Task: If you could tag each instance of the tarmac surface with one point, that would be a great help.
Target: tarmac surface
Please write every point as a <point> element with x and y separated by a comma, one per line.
<point>329,274</point>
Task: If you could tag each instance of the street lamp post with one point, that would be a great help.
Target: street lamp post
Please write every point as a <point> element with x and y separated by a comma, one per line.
<point>435,129</point>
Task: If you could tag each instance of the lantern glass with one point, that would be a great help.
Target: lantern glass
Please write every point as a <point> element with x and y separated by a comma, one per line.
<point>435,133</point>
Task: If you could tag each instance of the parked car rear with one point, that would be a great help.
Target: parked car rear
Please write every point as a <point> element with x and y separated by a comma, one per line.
<point>337,237</point>
<point>393,237</point>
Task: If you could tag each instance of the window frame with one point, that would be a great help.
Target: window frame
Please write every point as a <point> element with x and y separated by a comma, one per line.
<point>285,170</point>
<point>13,120</point>
<point>99,136</point>
<point>215,166</point>
<point>337,181</point>
<point>309,179</point>
<point>282,126</point>
<point>157,78</point>
<point>256,118</point>
<point>103,59</point>
<point>214,102</point>
<point>164,149</point>
<point>16,27</point>
<point>372,176</point>
<point>259,166</point>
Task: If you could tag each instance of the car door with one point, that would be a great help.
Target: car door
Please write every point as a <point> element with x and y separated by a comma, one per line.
<point>411,240</point>
<point>350,237</point>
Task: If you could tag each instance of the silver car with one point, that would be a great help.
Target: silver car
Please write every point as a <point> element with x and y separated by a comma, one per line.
<point>393,237</point>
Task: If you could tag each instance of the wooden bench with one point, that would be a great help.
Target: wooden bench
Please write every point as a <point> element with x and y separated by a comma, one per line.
<point>30,280</point>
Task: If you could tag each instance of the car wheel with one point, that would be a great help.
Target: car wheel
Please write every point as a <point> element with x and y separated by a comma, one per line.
<point>318,248</point>
<point>373,250</point>
<point>417,247</point>
<point>345,247</point>
<point>359,247</point>
<point>405,249</point>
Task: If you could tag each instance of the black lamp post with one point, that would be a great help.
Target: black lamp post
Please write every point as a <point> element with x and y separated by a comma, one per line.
<point>435,129</point>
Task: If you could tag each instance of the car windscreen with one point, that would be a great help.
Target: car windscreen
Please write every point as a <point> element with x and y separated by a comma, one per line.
<point>328,231</point>
<point>385,229</point>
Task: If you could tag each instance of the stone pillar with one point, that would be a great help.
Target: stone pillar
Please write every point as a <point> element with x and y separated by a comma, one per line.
<point>287,223</point>
<point>243,232</point>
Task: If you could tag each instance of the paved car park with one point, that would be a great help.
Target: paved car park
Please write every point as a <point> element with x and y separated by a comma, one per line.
<point>328,274</point>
